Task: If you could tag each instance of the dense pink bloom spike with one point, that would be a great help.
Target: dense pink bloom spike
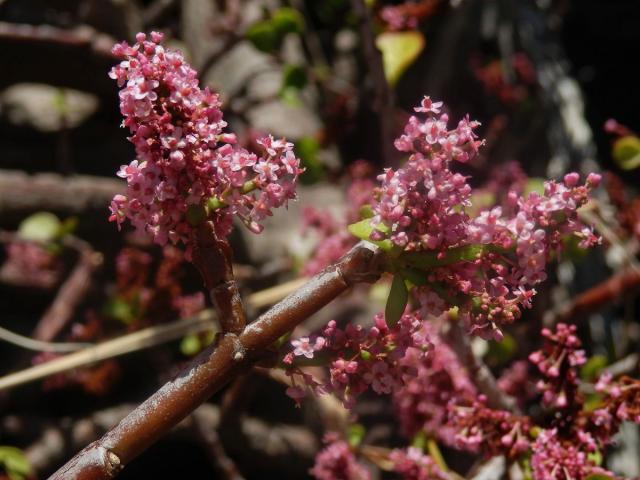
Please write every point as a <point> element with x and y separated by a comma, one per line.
<point>184,159</point>
<point>424,206</point>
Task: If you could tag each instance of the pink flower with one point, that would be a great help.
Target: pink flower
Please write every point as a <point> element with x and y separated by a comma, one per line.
<point>184,158</point>
<point>303,347</point>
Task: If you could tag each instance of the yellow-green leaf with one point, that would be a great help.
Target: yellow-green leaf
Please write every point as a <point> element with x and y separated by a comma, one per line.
<point>40,227</point>
<point>14,462</point>
<point>399,51</point>
<point>626,152</point>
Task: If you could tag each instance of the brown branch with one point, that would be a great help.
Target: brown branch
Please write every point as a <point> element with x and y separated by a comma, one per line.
<point>71,293</point>
<point>479,373</point>
<point>213,257</point>
<point>281,447</point>
<point>22,194</point>
<point>213,368</point>
<point>599,296</point>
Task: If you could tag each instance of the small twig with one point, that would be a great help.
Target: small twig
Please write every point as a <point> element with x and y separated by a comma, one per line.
<point>590,217</point>
<point>39,346</point>
<point>22,194</point>
<point>283,446</point>
<point>215,367</point>
<point>133,342</point>
<point>217,453</point>
<point>479,373</point>
<point>71,293</point>
<point>213,257</point>
<point>334,417</point>
<point>382,94</point>
<point>598,296</point>
<point>624,366</point>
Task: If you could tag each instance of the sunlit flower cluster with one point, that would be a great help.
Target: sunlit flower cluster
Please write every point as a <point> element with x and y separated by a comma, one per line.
<point>186,167</point>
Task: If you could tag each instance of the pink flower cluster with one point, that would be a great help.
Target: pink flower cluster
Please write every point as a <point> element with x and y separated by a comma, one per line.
<point>421,403</point>
<point>494,432</point>
<point>413,464</point>
<point>337,462</point>
<point>418,206</point>
<point>554,459</point>
<point>422,207</point>
<point>361,358</point>
<point>557,362</point>
<point>184,160</point>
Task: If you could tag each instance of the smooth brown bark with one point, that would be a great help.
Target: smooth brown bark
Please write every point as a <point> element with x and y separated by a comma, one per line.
<point>213,257</point>
<point>216,366</point>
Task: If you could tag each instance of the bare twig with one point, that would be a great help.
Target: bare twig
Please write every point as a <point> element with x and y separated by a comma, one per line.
<point>22,194</point>
<point>71,293</point>
<point>215,367</point>
<point>214,447</point>
<point>594,299</point>
<point>39,346</point>
<point>281,446</point>
<point>479,373</point>
<point>147,338</point>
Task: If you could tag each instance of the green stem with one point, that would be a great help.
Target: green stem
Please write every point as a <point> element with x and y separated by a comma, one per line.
<point>216,203</point>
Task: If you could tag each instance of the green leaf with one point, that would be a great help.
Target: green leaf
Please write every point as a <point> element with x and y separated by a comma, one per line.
<point>363,229</point>
<point>592,401</point>
<point>290,96</point>
<point>40,227</point>
<point>68,226</point>
<point>437,259</point>
<point>264,36</point>
<point>399,51</point>
<point>599,476</point>
<point>120,310</point>
<point>534,184</point>
<point>190,345</point>
<point>501,352</point>
<point>14,462</point>
<point>416,277</point>
<point>397,301</point>
<point>287,20</point>
<point>366,211</point>
<point>590,370</point>
<point>626,152</point>
<point>308,150</point>
<point>294,76</point>
<point>355,434</point>
<point>595,457</point>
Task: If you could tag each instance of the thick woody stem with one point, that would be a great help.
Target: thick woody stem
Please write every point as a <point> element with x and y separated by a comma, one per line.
<point>216,366</point>
<point>213,257</point>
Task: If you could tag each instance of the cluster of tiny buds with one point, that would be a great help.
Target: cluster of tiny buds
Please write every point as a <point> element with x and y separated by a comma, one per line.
<point>187,169</point>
